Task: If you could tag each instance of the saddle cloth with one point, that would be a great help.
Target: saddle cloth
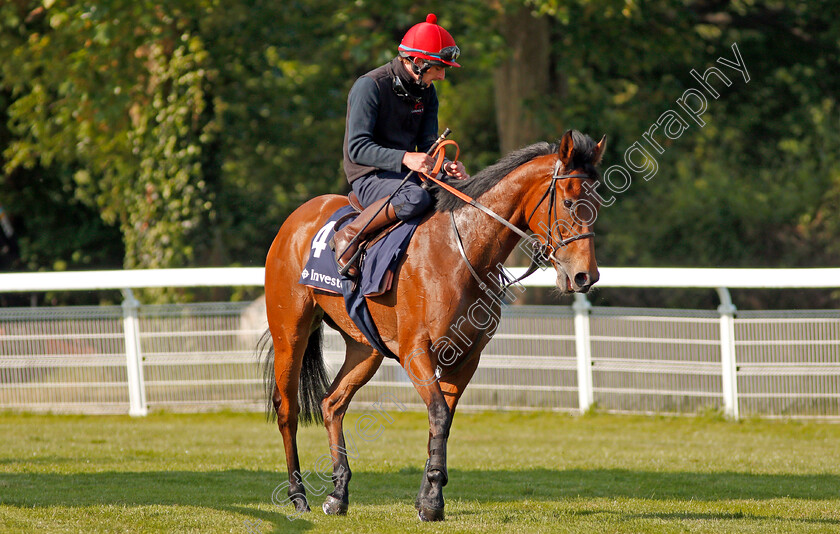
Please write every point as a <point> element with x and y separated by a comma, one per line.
<point>378,262</point>
<point>377,269</point>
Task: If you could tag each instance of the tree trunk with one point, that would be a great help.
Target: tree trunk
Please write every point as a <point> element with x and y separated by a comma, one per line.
<point>520,81</point>
<point>522,78</point>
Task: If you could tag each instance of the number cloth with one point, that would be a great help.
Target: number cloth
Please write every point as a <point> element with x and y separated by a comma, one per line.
<point>377,267</point>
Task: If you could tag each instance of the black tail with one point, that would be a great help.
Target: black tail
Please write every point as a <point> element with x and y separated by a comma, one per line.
<point>266,346</point>
<point>313,378</point>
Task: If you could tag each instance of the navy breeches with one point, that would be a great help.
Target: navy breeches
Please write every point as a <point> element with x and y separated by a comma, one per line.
<point>410,201</point>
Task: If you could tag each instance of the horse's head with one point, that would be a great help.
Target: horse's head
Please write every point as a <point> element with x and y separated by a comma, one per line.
<point>565,213</point>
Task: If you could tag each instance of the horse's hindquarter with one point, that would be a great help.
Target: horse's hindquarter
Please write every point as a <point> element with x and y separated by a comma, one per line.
<point>288,255</point>
<point>290,248</point>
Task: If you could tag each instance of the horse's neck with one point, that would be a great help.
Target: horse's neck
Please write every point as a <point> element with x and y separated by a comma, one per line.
<point>488,242</point>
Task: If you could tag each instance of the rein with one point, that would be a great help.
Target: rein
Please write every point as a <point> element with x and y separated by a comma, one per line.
<point>439,154</point>
<point>541,250</point>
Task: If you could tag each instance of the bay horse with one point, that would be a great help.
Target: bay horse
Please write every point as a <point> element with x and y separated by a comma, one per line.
<point>539,188</point>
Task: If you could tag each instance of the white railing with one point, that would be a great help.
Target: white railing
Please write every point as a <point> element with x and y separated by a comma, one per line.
<point>633,360</point>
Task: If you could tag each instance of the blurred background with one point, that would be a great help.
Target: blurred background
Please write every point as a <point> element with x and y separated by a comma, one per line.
<point>143,134</point>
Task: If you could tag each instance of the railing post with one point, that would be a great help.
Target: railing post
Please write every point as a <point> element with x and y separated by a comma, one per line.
<point>727,353</point>
<point>133,356</point>
<point>583,350</point>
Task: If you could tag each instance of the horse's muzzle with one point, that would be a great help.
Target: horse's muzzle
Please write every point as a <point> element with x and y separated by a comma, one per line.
<point>580,282</point>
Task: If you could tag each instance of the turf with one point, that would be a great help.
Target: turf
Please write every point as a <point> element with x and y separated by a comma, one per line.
<point>509,472</point>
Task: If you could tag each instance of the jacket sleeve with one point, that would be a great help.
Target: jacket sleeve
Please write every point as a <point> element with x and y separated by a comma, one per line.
<point>363,109</point>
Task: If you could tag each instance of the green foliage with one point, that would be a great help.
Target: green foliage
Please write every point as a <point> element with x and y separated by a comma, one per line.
<point>172,124</point>
<point>192,128</point>
<point>745,189</point>
<point>120,106</point>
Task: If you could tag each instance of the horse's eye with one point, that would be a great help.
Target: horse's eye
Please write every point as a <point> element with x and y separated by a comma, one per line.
<point>568,204</point>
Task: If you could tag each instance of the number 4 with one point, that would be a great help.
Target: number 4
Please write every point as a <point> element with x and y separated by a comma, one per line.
<point>320,241</point>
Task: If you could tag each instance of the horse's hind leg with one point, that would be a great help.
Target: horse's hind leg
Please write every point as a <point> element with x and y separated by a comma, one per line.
<point>291,318</point>
<point>360,364</point>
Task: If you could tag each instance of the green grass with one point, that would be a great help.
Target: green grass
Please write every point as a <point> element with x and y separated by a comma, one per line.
<point>509,472</point>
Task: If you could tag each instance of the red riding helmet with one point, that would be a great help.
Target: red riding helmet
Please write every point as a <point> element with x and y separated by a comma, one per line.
<point>431,42</point>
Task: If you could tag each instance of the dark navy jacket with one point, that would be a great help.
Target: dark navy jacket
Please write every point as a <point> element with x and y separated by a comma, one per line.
<point>382,126</point>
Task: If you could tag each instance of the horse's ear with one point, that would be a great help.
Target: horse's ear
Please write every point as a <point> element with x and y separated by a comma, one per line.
<point>599,150</point>
<point>567,148</point>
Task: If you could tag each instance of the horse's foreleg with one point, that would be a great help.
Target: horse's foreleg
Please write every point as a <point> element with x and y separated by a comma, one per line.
<point>360,364</point>
<point>452,387</point>
<point>430,501</point>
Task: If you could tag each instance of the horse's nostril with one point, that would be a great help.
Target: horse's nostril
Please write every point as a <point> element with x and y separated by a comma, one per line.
<point>581,279</point>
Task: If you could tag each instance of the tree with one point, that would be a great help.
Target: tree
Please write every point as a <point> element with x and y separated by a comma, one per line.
<point>522,79</point>
<point>169,121</point>
<point>192,129</point>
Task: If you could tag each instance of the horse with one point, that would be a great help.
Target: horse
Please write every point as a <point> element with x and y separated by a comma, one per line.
<point>455,255</point>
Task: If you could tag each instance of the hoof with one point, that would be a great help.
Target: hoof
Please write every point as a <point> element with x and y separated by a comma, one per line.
<point>333,506</point>
<point>430,514</point>
<point>301,505</point>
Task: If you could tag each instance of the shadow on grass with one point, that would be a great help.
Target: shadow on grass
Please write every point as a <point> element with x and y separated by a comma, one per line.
<point>238,491</point>
<point>242,491</point>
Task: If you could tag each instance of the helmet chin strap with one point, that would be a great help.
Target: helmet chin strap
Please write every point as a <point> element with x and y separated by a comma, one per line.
<point>420,71</point>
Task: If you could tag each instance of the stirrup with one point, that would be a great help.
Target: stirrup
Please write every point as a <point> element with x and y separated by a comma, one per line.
<point>353,271</point>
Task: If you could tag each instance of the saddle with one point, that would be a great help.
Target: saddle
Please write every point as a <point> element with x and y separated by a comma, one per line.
<point>354,201</point>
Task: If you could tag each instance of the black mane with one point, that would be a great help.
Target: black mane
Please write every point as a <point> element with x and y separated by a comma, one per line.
<point>484,180</point>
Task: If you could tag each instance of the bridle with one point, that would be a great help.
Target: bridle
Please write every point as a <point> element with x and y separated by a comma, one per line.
<point>545,251</point>
<point>542,251</point>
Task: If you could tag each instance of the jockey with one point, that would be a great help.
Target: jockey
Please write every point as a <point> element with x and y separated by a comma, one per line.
<point>391,123</point>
